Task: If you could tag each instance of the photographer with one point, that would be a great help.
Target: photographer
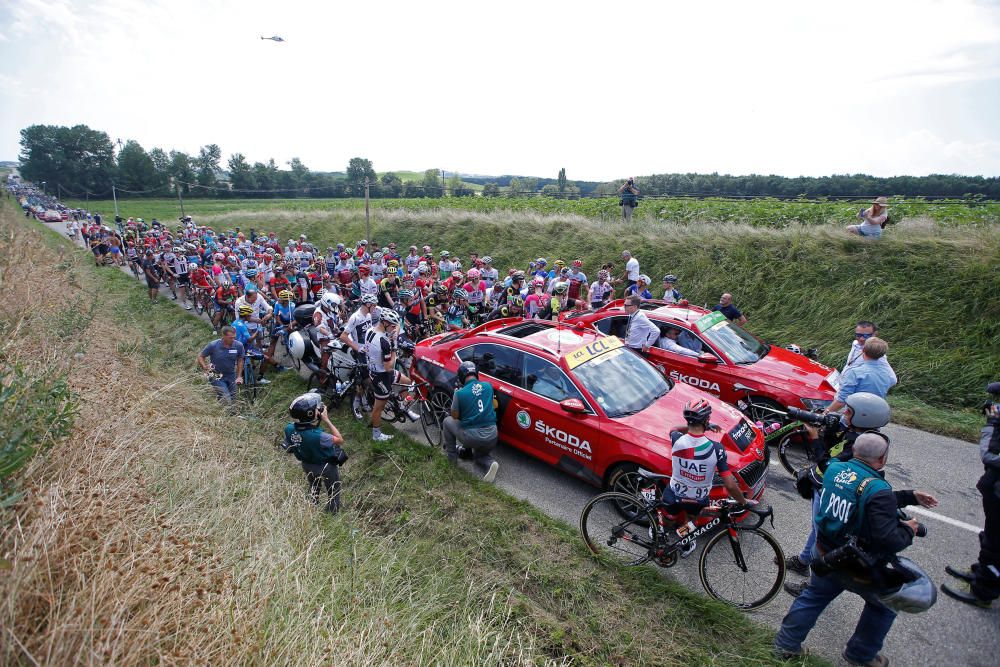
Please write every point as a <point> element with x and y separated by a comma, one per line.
<point>318,451</point>
<point>859,534</point>
<point>629,198</point>
<point>984,575</point>
<point>473,422</point>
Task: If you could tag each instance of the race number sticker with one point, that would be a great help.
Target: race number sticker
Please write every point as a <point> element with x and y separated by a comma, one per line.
<point>708,321</point>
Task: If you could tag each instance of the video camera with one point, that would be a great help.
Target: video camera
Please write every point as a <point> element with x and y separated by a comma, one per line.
<point>993,389</point>
<point>814,418</point>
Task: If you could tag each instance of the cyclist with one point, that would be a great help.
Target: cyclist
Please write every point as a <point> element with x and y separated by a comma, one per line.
<point>151,270</point>
<point>365,284</point>
<point>489,274</point>
<point>513,308</point>
<point>577,282</point>
<point>694,461</point>
<point>326,319</point>
<point>282,323</point>
<point>279,282</point>
<point>353,336</point>
<point>670,293</point>
<point>476,288</point>
<point>516,284</point>
<point>225,298</point>
<point>411,261</point>
<point>601,290</point>
<point>457,316</point>
<point>381,353</point>
<point>641,288</point>
<point>388,288</point>
<point>534,302</point>
<point>557,303</point>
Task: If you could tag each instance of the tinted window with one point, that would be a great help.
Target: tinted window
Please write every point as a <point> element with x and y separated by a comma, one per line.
<point>546,379</point>
<point>497,361</point>
<point>685,338</point>
<point>613,326</point>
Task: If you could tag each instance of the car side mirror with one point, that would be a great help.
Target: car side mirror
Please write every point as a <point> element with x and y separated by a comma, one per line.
<point>573,405</point>
<point>708,358</point>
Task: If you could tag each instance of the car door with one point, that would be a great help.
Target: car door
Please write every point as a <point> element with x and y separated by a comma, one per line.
<point>615,325</point>
<point>683,368</point>
<point>565,439</point>
<point>501,366</point>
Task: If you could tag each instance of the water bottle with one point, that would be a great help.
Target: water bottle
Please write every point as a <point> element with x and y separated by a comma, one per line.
<point>341,387</point>
<point>685,529</point>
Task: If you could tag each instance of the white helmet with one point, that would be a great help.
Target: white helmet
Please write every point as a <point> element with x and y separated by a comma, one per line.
<point>330,301</point>
<point>389,318</point>
<point>368,300</point>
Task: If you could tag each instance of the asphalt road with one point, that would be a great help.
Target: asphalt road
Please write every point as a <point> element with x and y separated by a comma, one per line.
<point>950,633</point>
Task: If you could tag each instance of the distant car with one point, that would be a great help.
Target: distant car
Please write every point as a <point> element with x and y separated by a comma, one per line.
<point>583,402</point>
<point>730,363</point>
<point>52,215</point>
<point>64,215</point>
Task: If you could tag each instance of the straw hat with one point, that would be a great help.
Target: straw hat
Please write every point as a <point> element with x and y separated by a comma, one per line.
<point>882,201</point>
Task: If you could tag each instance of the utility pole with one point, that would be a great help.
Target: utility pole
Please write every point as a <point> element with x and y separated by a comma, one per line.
<point>59,191</point>
<point>179,198</point>
<point>442,183</point>
<point>114,196</point>
<point>368,222</point>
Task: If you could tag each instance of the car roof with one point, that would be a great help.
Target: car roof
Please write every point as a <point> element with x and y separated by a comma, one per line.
<point>557,339</point>
<point>657,308</point>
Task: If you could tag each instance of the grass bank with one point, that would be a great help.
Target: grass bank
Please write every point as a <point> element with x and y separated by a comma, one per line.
<point>162,530</point>
<point>930,287</point>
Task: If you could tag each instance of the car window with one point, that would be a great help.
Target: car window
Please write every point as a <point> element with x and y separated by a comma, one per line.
<point>546,379</point>
<point>687,339</point>
<point>613,326</point>
<point>502,363</point>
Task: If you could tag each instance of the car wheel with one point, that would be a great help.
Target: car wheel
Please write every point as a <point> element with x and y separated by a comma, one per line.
<point>624,478</point>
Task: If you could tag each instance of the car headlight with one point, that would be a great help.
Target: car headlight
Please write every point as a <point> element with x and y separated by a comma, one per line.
<point>816,404</point>
<point>834,379</point>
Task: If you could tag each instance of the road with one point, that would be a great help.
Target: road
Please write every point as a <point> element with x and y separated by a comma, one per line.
<point>950,633</point>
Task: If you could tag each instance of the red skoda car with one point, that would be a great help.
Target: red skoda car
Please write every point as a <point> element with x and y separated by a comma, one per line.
<point>583,402</point>
<point>724,359</point>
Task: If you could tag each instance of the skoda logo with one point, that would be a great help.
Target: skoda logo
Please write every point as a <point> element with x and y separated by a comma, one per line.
<point>523,419</point>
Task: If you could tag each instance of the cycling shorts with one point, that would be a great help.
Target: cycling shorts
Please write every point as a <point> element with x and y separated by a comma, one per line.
<point>183,279</point>
<point>382,383</point>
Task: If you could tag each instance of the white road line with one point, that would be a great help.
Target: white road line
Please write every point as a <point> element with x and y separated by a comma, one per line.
<point>940,517</point>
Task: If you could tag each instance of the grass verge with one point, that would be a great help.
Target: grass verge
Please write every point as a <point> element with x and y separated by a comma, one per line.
<point>163,530</point>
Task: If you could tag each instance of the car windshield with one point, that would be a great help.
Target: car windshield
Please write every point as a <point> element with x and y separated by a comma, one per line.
<point>735,343</point>
<point>621,382</point>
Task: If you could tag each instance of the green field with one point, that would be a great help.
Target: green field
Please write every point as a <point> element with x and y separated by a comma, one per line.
<point>930,282</point>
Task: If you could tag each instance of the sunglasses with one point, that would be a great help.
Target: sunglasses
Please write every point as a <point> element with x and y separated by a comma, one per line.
<point>864,336</point>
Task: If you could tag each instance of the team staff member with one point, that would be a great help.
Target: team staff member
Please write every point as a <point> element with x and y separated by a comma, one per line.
<point>318,451</point>
<point>984,575</point>
<point>872,375</point>
<point>473,422</point>
<point>857,502</point>
<point>641,334</point>
<point>226,355</point>
<point>726,307</point>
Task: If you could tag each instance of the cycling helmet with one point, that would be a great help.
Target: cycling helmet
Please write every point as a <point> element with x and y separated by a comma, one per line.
<point>467,369</point>
<point>457,275</point>
<point>644,278</point>
<point>394,262</point>
<point>412,248</point>
<point>603,275</point>
<point>560,288</point>
<point>577,263</point>
<point>564,271</point>
<point>441,290</point>
<point>697,411</point>
<point>560,263</point>
<point>364,268</point>
<point>363,242</point>
<point>794,348</point>
<point>460,293</point>
<point>870,411</point>
<point>226,250</point>
<point>540,261</point>
<point>251,289</point>
<point>427,248</point>
<point>329,302</point>
<point>517,276</point>
<point>306,409</point>
<point>192,266</point>
<point>246,310</point>
<point>473,274</point>
<point>285,295</point>
<point>219,257</point>
<point>392,271</point>
<point>445,254</point>
<point>369,300</point>
<point>343,255</point>
<point>376,256</point>
<point>423,269</point>
<point>670,278</point>
<point>389,318</point>
<point>251,264</point>
<point>405,294</point>
<point>538,282</point>
<point>917,592</point>
<point>515,301</point>
<point>487,260</point>
<point>408,280</point>
<point>279,269</point>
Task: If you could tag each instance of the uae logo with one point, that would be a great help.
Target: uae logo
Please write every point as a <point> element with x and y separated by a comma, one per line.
<point>523,419</point>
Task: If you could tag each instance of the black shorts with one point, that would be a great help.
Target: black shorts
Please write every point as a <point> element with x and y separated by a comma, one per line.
<point>382,383</point>
<point>152,284</point>
<point>183,279</point>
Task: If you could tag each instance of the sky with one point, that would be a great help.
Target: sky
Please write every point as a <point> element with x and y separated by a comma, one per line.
<point>604,89</point>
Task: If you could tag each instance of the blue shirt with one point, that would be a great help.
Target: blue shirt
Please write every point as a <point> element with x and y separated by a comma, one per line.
<point>242,331</point>
<point>222,358</point>
<point>872,375</point>
<point>731,312</point>
<point>634,289</point>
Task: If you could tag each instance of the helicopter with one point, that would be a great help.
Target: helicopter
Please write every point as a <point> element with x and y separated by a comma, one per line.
<point>274,38</point>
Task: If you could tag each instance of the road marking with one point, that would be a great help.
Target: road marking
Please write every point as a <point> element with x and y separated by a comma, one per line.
<point>940,517</point>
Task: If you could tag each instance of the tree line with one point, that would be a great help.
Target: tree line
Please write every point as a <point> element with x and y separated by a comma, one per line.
<point>79,161</point>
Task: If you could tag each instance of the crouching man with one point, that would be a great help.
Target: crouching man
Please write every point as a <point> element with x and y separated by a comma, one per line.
<point>318,451</point>
<point>473,422</point>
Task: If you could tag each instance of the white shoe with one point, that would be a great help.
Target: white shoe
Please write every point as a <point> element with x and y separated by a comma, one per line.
<point>263,381</point>
<point>491,474</point>
<point>414,417</point>
<point>381,437</point>
<point>689,549</point>
<point>187,306</point>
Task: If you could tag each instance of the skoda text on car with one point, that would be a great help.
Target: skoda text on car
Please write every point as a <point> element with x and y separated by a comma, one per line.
<point>583,402</point>
<point>732,364</point>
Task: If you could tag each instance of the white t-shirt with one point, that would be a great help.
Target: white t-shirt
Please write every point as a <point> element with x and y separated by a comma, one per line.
<point>632,268</point>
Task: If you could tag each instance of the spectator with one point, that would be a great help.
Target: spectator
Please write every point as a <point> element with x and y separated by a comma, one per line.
<point>631,274</point>
<point>873,219</point>
<point>629,198</point>
<point>726,307</point>
<point>862,332</point>
<point>473,422</point>
<point>224,356</point>
<point>872,375</point>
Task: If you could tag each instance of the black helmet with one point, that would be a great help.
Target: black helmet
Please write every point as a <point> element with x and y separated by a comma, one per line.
<point>306,408</point>
<point>698,411</point>
<point>465,369</point>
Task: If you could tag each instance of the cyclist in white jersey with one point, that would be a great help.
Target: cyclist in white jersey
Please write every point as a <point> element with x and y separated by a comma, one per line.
<point>180,268</point>
<point>694,461</point>
<point>380,348</point>
<point>353,336</point>
<point>489,274</point>
<point>601,290</point>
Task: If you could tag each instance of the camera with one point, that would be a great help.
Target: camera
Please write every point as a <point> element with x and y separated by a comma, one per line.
<point>993,389</point>
<point>814,418</point>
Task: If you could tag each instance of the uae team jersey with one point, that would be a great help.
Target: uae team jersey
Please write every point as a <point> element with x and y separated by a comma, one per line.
<point>695,460</point>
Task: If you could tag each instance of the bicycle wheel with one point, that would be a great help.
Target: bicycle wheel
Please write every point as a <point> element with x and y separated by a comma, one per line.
<point>249,381</point>
<point>793,450</point>
<point>743,567</point>
<point>431,422</point>
<point>627,540</point>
